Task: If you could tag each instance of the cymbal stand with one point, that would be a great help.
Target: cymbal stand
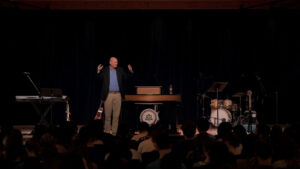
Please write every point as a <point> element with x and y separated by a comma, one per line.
<point>240,107</point>
<point>240,110</point>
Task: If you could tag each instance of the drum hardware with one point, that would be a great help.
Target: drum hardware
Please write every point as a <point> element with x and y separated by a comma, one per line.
<point>239,95</point>
<point>234,110</point>
<point>201,101</point>
<point>234,107</point>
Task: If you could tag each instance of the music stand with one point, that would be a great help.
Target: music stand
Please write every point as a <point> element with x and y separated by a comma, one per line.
<point>217,87</point>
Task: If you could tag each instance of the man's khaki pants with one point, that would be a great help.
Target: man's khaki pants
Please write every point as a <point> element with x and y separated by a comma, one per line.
<point>112,108</point>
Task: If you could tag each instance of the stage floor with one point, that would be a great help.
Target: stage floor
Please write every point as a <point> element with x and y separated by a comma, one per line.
<point>26,130</point>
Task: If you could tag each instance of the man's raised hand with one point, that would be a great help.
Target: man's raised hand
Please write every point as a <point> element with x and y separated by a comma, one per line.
<point>99,68</point>
<point>130,68</point>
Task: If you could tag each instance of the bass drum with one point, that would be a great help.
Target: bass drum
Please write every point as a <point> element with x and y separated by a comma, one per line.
<point>149,116</point>
<point>224,116</point>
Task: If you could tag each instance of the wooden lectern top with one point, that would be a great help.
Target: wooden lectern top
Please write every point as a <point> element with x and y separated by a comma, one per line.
<point>148,89</point>
<point>153,98</point>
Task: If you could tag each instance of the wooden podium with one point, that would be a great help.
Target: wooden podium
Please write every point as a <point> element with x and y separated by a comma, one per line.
<point>152,96</point>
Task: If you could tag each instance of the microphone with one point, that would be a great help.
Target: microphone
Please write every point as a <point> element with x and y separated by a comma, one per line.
<point>26,73</point>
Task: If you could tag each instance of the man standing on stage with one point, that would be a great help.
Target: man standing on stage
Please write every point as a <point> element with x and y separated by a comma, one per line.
<point>112,92</point>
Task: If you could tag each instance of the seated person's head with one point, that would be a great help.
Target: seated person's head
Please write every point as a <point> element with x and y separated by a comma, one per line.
<point>189,129</point>
<point>161,138</point>
<point>224,129</point>
<point>143,126</point>
<point>203,125</point>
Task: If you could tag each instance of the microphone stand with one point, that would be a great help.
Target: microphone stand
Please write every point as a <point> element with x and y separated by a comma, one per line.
<point>276,106</point>
<point>203,109</point>
<point>36,89</point>
<point>262,90</point>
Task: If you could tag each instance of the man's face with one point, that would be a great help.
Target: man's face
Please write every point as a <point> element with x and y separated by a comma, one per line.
<point>113,62</point>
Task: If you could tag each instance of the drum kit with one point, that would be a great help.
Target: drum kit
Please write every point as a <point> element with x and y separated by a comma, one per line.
<point>228,110</point>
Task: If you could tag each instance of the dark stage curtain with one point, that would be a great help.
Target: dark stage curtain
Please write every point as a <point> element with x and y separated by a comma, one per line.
<point>257,50</point>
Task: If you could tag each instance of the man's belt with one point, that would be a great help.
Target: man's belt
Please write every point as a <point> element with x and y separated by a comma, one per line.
<point>115,92</point>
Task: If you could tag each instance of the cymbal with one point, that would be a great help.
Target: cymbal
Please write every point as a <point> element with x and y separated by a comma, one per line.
<point>202,95</point>
<point>239,94</point>
<point>217,85</point>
